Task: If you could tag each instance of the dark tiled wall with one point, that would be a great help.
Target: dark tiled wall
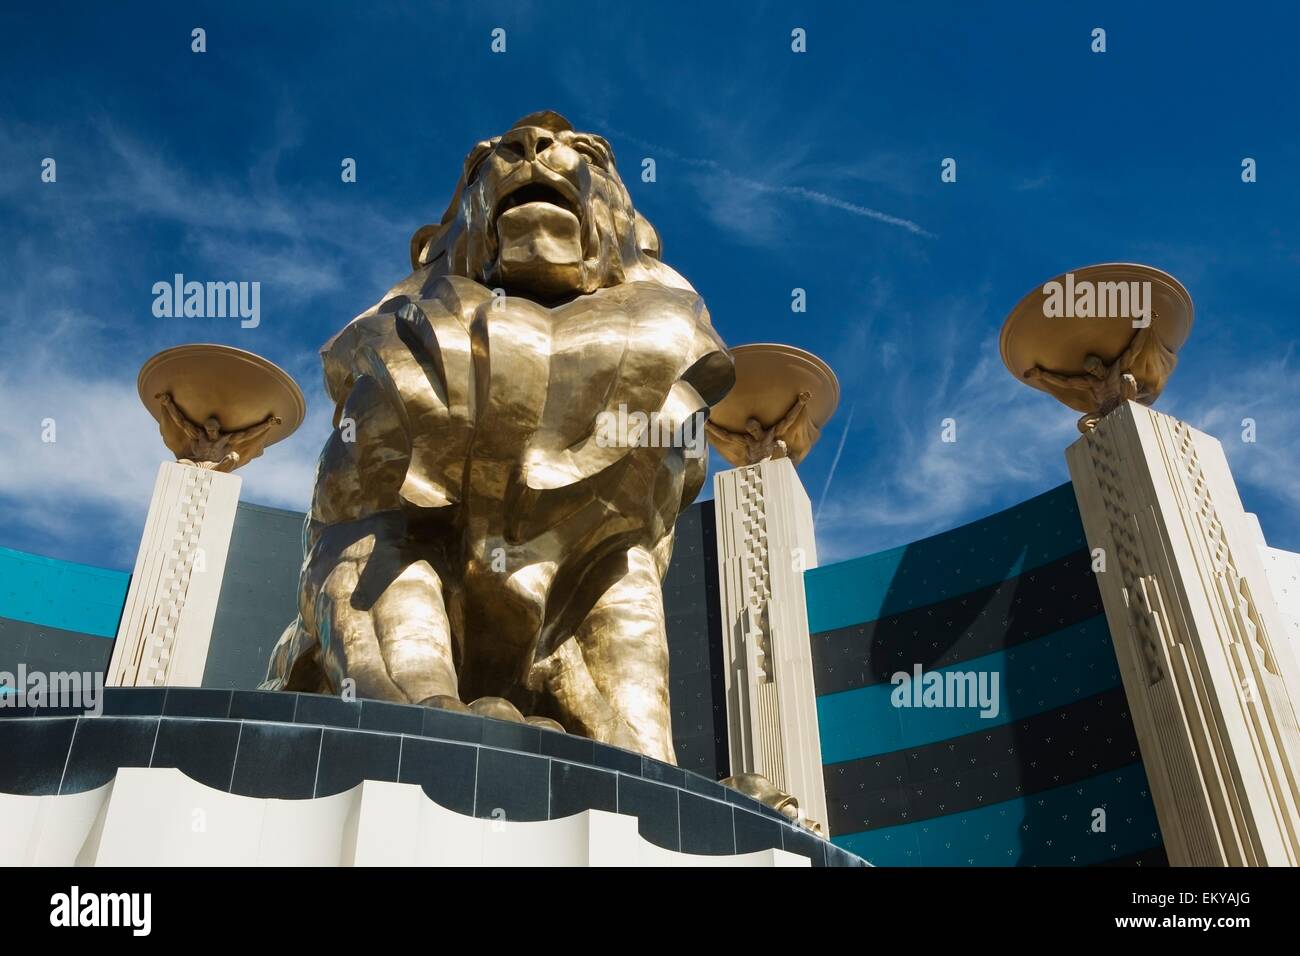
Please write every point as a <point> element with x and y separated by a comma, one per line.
<point>694,612</point>
<point>1004,762</point>
<point>62,594</point>
<point>1011,612</point>
<point>1011,595</point>
<point>50,648</point>
<point>259,595</point>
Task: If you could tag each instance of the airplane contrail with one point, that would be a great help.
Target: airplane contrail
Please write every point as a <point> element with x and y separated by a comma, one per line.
<point>835,462</point>
<point>801,192</point>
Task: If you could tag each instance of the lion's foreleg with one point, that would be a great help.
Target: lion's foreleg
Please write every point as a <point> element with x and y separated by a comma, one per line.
<point>610,680</point>
<point>414,634</point>
<point>378,616</point>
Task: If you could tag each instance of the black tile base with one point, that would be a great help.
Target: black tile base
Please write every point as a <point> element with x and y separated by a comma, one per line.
<point>511,786</point>
<point>133,701</point>
<point>263,705</point>
<point>805,844</point>
<point>575,788</point>
<point>654,806</point>
<point>393,718</point>
<point>445,771</point>
<point>277,760</point>
<point>296,746</point>
<point>614,758</point>
<point>103,744</point>
<point>349,757</point>
<point>203,750</point>
<point>329,711</point>
<point>754,832</point>
<point>567,747</point>
<point>707,825</point>
<point>194,702</point>
<point>34,754</point>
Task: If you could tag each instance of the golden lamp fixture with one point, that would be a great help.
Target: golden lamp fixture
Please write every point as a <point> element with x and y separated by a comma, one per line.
<point>1099,336</point>
<point>783,398</point>
<point>219,407</point>
<point>473,541</point>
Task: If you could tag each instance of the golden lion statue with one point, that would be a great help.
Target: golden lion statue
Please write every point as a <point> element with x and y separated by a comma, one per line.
<point>475,534</point>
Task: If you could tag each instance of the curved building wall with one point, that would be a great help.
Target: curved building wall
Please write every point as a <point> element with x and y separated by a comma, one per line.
<point>57,615</point>
<point>1015,746</point>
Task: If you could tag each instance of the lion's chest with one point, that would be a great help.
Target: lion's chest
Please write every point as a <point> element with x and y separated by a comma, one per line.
<point>543,375</point>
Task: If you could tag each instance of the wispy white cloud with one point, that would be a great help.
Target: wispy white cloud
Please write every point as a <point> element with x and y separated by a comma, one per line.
<point>1010,445</point>
<point>1256,400</point>
<point>730,181</point>
<point>1033,183</point>
<point>75,333</point>
<point>104,455</point>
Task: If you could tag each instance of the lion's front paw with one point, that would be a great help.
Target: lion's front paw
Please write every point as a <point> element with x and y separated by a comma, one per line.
<point>546,723</point>
<point>445,702</point>
<point>497,707</point>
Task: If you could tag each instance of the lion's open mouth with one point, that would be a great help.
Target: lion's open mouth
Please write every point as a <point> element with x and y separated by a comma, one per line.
<point>536,192</point>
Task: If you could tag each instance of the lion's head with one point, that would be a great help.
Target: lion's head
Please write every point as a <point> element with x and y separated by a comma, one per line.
<point>541,211</point>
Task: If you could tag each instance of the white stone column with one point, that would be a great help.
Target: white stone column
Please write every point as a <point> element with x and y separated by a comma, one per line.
<point>1207,667</point>
<point>765,542</point>
<point>171,603</point>
<point>1283,571</point>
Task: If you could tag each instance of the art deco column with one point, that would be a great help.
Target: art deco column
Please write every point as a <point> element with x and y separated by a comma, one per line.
<point>765,543</point>
<point>1203,651</point>
<point>1208,670</point>
<point>171,603</point>
<point>217,408</point>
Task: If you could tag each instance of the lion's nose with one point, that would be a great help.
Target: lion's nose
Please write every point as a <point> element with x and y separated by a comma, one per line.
<point>528,141</point>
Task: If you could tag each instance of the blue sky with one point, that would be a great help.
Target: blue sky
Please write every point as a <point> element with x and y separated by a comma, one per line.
<point>775,170</point>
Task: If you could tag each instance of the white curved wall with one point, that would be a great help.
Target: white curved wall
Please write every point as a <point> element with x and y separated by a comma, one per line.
<point>160,817</point>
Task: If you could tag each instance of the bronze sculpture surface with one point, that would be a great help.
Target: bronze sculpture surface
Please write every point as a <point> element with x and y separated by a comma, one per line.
<point>209,446</point>
<point>219,407</point>
<point>783,398</point>
<point>1103,385</point>
<point>469,537</point>
<point>757,443</point>
<point>1098,336</point>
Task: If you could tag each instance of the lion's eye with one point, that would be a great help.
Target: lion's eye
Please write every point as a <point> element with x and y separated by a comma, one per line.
<point>511,151</point>
<point>590,154</point>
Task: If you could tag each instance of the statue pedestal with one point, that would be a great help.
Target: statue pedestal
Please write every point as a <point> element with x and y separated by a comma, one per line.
<point>166,626</point>
<point>287,779</point>
<point>765,542</point>
<point>1202,647</point>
